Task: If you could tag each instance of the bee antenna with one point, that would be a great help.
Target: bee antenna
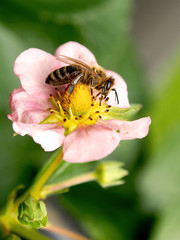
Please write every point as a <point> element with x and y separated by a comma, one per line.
<point>117,99</point>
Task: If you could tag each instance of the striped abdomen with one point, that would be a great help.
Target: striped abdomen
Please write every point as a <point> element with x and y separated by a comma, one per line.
<point>63,75</point>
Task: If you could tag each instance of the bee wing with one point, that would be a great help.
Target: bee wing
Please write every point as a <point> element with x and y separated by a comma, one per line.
<point>74,61</point>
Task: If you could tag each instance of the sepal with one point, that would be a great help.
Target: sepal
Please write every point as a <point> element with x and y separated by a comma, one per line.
<point>121,113</point>
<point>52,118</point>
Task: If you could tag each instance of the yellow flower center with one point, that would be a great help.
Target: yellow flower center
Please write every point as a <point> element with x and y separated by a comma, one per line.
<point>76,109</point>
<point>79,100</point>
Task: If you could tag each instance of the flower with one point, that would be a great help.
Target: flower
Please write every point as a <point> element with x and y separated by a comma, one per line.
<point>87,129</point>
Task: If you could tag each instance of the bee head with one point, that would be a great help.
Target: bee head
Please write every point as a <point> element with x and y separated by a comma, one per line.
<point>107,86</point>
<point>109,83</point>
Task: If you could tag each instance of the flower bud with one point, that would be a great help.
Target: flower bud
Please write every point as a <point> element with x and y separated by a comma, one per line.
<point>32,212</point>
<point>110,173</point>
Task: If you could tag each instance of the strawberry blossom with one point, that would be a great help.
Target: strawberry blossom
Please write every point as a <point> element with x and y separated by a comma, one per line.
<point>87,129</point>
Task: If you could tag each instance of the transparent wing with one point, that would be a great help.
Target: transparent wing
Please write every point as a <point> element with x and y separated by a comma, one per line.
<point>74,61</point>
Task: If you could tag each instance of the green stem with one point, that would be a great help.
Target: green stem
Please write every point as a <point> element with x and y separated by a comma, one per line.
<point>45,173</point>
<point>41,178</point>
<point>49,189</point>
<point>13,226</point>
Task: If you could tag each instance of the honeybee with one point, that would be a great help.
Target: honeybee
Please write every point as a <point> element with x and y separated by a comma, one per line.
<point>79,72</point>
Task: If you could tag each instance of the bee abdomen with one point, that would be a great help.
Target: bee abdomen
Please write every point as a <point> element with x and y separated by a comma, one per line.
<point>54,78</point>
<point>63,75</point>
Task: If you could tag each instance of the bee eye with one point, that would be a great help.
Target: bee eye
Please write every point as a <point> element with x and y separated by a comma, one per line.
<point>108,85</point>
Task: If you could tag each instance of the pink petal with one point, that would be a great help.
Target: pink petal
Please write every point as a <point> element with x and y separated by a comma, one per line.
<point>26,108</point>
<point>32,67</point>
<point>77,51</point>
<point>47,135</point>
<point>130,130</point>
<point>121,89</point>
<point>90,143</point>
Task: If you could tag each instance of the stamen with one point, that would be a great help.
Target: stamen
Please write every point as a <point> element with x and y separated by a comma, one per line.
<point>59,94</point>
<point>71,114</point>
<point>90,118</point>
<point>100,116</point>
<point>53,100</point>
<point>107,110</point>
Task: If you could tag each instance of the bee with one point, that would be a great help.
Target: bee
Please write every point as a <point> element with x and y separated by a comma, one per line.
<point>79,72</point>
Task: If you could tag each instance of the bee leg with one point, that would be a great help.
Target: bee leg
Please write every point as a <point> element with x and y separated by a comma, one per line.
<point>92,84</point>
<point>101,98</point>
<point>103,95</point>
<point>97,95</point>
<point>75,81</point>
<point>116,95</point>
<point>71,88</point>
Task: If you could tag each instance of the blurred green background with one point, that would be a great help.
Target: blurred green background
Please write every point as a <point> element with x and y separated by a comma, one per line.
<point>141,42</point>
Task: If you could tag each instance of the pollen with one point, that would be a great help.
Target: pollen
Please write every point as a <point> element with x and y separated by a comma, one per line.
<point>77,109</point>
<point>79,100</point>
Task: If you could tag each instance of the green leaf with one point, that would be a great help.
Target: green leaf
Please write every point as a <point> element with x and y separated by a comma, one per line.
<point>48,8</point>
<point>159,180</point>
<point>68,170</point>
<point>168,226</point>
<point>10,48</point>
<point>164,107</point>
